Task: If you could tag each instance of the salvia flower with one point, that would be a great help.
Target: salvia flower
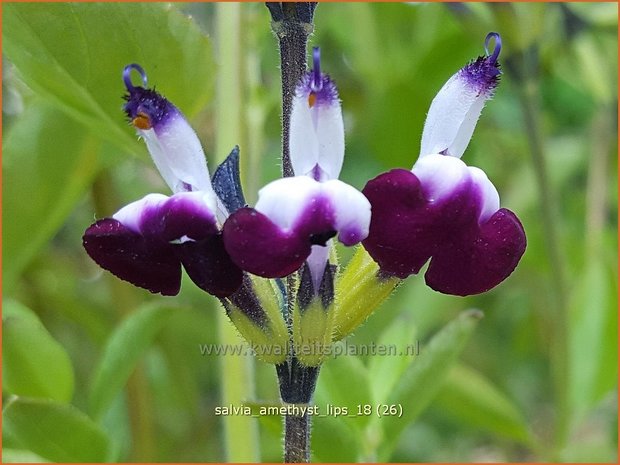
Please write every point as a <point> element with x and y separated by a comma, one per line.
<point>295,217</point>
<point>148,241</point>
<point>444,210</point>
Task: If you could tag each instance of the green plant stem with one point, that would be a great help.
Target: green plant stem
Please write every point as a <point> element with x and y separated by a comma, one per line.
<point>237,372</point>
<point>559,337</point>
<point>139,404</point>
<point>255,109</point>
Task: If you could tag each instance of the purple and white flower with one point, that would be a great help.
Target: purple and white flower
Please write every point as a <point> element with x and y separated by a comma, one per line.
<point>295,218</point>
<point>444,210</point>
<point>148,241</point>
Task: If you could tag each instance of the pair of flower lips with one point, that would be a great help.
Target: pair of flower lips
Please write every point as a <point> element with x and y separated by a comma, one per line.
<point>292,215</point>
<point>295,218</point>
<point>149,241</point>
<point>444,210</point>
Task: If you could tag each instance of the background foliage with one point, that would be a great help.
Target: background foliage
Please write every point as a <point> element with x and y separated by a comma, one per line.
<point>94,369</point>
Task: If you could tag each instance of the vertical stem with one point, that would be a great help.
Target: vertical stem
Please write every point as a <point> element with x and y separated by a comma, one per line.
<point>292,24</point>
<point>230,128</point>
<point>255,114</point>
<point>596,193</point>
<point>297,438</point>
<point>237,373</point>
<point>297,383</point>
<point>292,29</point>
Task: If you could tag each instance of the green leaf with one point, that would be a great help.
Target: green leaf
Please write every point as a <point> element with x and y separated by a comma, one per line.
<point>599,14</point>
<point>333,440</point>
<point>48,162</point>
<point>34,364</point>
<point>56,432</point>
<point>122,352</point>
<point>384,371</point>
<point>593,337</point>
<point>20,456</point>
<point>73,54</point>
<point>14,309</point>
<point>426,375</point>
<point>520,27</point>
<point>345,384</point>
<point>597,51</point>
<point>469,396</point>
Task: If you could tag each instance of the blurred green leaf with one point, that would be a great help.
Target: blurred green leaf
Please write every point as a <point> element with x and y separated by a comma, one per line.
<point>343,384</point>
<point>48,162</point>
<point>469,396</point>
<point>521,26</point>
<point>33,363</point>
<point>73,54</point>
<point>384,371</point>
<point>13,308</point>
<point>20,456</point>
<point>56,432</point>
<point>598,70</point>
<point>333,440</point>
<point>346,384</point>
<point>424,378</point>
<point>593,337</point>
<point>124,348</point>
<point>602,14</point>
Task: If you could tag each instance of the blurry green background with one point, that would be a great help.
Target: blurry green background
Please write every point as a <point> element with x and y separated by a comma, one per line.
<point>95,369</point>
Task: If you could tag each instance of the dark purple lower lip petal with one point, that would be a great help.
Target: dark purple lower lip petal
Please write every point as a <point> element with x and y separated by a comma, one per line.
<point>209,266</point>
<point>132,257</point>
<point>401,239</point>
<point>406,230</point>
<point>478,262</point>
<point>258,246</point>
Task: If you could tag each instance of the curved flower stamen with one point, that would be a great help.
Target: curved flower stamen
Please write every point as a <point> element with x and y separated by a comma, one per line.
<point>127,76</point>
<point>497,48</point>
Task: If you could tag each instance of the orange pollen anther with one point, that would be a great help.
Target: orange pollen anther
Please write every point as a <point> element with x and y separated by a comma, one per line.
<point>311,99</point>
<point>142,121</point>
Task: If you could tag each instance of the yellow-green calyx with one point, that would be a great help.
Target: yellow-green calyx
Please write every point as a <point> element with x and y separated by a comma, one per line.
<point>318,317</point>
<point>312,332</point>
<point>313,315</point>
<point>266,334</point>
<point>359,291</point>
